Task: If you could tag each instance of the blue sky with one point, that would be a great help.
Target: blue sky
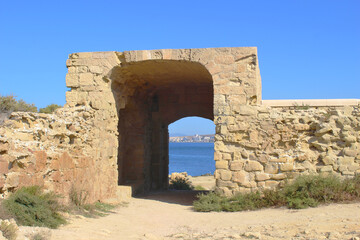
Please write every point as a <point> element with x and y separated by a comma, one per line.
<point>306,49</point>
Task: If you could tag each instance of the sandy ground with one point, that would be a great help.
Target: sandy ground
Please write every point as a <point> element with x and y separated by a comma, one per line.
<point>169,215</point>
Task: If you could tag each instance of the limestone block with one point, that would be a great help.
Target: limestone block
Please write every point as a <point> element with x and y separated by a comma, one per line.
<point>72,80</point>
<point>326,169</point>
<point>226,156</point>
<point>225,175</point>
<point>346,160</point>
<point>236,156</point>
<point>4,165</point>
<point>12,179</point>
<point>229,184</point>
<point>221,110</point>
<point>271,168</point>
<point>245,110</point>
<point>285,167</point>
<point>279,176</point>
<point>217,156</point>
<point>96,69</point>
<point>348,173</point>
<point>219,99</point>
<point>239,99</point>
<point>222,129</point>
<point>353,168</point>
<point>347,152</point>
<point>86,79</point>
<point>240,177</point>
<point>262,176</point>
<point>236,165</point>
<point>222,165</point>
<point>302,127</point>
<point>271,184</point>
<point>253,166</point>
<point>329,160</point>
<point>244,154</point>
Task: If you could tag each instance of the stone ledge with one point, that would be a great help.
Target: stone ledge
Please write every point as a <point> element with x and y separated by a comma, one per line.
<point>311,102</point>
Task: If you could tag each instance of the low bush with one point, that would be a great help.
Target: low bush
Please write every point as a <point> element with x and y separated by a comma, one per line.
<point>180,183</point>
<point>10,104</point>
<point>49,108</point>
<point>30,206</point>
<point>304,191</point>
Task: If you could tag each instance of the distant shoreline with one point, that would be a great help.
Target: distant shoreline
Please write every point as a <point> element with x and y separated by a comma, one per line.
<point>209,138</point>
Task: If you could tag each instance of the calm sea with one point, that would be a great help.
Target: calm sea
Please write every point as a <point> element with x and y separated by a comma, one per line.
<point>194,158</point>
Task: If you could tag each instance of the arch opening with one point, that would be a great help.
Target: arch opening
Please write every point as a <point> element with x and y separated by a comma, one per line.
<point>150,95</point>
<point>191,150</point>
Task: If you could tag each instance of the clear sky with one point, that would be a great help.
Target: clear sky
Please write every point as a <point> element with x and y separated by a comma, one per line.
<point>306,48</point>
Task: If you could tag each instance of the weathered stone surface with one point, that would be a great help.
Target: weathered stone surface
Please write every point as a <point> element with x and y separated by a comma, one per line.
<point>253,166</point>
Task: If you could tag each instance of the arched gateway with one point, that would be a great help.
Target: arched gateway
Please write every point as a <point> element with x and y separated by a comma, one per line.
<point>141,92</point>
<point>113,130</point>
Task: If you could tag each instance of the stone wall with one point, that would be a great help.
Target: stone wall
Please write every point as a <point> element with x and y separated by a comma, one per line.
<point>58,151</point>
<point>113,129</point>
<point>262,146</point>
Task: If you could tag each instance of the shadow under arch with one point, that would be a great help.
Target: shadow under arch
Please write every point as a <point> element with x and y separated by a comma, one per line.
<point>149,96</point>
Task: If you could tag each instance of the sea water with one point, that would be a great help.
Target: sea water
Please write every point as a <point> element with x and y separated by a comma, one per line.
<point>194,158</point>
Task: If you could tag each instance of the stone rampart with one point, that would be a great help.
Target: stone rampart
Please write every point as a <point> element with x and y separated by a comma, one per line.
<point>263,146</point>
<point>113,129</point>
<point>58,151</point>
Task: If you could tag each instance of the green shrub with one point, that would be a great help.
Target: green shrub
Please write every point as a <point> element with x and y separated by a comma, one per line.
<point>304,191</point>
<point>210,202</point>
<point>30,206</point>
<point>180,183</point>
<point>50,108</point>
<point>10,104</point>
<point>310,190</point>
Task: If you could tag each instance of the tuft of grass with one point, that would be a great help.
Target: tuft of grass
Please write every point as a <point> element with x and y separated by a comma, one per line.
<point>79,205</point>
<point>304,191</point>
<point>8,229</point>
<point>30,206</point>
<point>180,183</point>
<point>199,188</point>
<point>42,235</point>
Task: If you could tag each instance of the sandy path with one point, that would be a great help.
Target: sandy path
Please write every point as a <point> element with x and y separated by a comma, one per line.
<point>169,216</point>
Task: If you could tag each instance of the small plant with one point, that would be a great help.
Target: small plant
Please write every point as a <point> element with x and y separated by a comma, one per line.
<point>78,197</point>
<point>305,191</point>
<point>49,108</point>
<point>30,206</point>
<point>10,104</point>
<point>210,202</point>
<point>8,229</point>
<point>79,205</point>
<point>42,235</point>
<point>180,183</point>
<point>301,107</point>
<point>199,188</point>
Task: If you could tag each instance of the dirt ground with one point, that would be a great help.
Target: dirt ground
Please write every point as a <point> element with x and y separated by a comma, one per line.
<point>169,215</point>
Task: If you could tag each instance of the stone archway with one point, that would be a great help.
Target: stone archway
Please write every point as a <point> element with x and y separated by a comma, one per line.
<point>159,93</point>
<point>130,98</point>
